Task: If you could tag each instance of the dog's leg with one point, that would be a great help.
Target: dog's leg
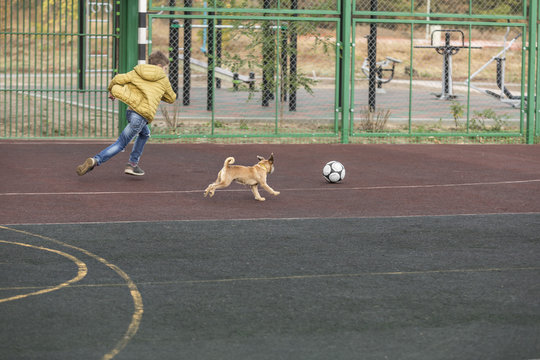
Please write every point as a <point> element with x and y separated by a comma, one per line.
<point>212,187</point>
<point>255,192</point>
<point>269,189</point>
<point>215,186</point>
<point>210,190</point>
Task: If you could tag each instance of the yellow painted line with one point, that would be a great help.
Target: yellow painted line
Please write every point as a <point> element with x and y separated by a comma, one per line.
<point>134,291</point>
<point>81,272</point>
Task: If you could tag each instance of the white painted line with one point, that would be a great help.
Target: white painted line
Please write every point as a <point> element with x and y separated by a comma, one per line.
<point>326,188</point>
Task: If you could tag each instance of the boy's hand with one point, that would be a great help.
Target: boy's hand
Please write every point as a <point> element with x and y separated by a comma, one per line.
<point>111,97</point>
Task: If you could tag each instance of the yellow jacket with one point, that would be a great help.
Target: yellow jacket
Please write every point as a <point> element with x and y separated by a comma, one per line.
<point>142,89</point>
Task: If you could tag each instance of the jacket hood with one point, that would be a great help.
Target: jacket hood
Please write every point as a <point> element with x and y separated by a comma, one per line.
<point>150,72</point>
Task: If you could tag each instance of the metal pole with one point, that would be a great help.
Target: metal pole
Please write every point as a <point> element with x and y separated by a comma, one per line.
<point>531,85</point>
<point>210,69</point>
<point>345,80</point>
<point>187,58</point>
<point>141,32</point>
<point>372,59</point>
<point>173,50</point>
<point>447,67</point>
<point>267,47</point>
<point>218,49</point>
<point>284,60</point>
<point>293,82</point>
<point>81,64</point>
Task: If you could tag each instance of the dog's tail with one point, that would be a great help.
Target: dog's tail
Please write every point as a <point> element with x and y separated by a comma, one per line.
<point>228,161</point>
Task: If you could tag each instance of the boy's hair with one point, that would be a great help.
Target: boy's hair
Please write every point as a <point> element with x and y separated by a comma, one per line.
<point>158,58</point>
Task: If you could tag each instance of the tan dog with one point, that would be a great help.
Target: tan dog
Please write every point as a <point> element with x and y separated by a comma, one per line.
<point>246,175</point>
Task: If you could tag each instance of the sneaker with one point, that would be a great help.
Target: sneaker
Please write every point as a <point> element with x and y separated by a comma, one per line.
<point>133,170</point>
<point>87,166</point>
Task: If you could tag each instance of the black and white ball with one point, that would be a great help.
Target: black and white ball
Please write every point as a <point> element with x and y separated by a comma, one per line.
<point>334,171</point>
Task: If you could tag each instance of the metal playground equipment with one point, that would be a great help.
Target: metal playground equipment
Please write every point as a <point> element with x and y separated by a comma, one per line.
<point>387,65</point>
<point>447,50</point>
<point>503,94</point>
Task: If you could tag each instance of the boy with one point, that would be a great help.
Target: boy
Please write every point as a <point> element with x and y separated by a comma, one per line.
<point>141,89</point>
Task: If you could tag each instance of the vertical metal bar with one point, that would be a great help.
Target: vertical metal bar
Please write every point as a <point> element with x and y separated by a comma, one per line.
<point>372,59</point>
<point>102,53</point>
<point>267,58</point>
<point>141,32</point>
<point>411,58</point>
<point>66,18</point>
<point>17,72</point>
<point>469,82</point>
<point>22,45</point>
<point>3,93</point>
<point>338,75</point>
<point>293,58</point>
<point>41,27</point>
<point>35,68</point>
<point>346,19</point>
<point>53,97</point>
<point>210,69</point>
<point>187,57</point>
<point>277,87</point>
<point>71,31</point>
<point>284,62</point>
<point>531,86</point>
<point>93,33</point>
<point>81,65</point>
<point>537,90</point>
<point>219,39</point>
<point>173,50</point>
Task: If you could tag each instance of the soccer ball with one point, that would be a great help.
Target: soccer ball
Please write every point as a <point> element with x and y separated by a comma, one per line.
<point>334,172</point>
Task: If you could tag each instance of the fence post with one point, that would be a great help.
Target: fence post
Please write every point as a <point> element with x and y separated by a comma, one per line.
<point>128,51</point>
<point>81,63</point>
<point>531,72</point>
<point>345,81</point>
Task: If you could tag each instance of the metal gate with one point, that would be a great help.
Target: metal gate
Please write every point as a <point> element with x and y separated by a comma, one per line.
<point>452,70</point>
<point>58,57</point>
<point>278,70</point>
<point>267,70</point>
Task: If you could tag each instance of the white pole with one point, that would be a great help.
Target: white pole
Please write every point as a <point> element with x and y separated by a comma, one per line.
<point>142,32</point>
<point>427,18</point>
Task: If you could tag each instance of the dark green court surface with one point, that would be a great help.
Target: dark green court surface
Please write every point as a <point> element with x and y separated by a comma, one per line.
<point>431,287</point>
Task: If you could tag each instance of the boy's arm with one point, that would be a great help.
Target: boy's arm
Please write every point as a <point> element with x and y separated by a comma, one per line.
<point>120,79</point>
<point>170,95</point>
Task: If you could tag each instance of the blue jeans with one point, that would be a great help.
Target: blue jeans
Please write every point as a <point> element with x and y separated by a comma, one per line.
<point>137,125</point>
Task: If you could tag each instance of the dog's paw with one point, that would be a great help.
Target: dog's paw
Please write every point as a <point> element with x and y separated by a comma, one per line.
<point>260,199</point>
<point>276,193</point>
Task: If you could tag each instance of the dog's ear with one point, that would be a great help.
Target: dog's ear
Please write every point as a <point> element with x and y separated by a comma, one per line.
<point>260,158</point>
<point>271,158</point>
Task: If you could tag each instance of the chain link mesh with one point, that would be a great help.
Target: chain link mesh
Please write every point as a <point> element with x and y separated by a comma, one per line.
<point>439,79</point>
<point>56,64</point>
<point>481,7</point>
<point>251,4</point>
<point>268,77</point>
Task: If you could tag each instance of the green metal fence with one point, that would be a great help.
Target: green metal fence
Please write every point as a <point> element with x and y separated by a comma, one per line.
<point>57,59</point>
<point>279,70</point>
<point>267,70</point>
